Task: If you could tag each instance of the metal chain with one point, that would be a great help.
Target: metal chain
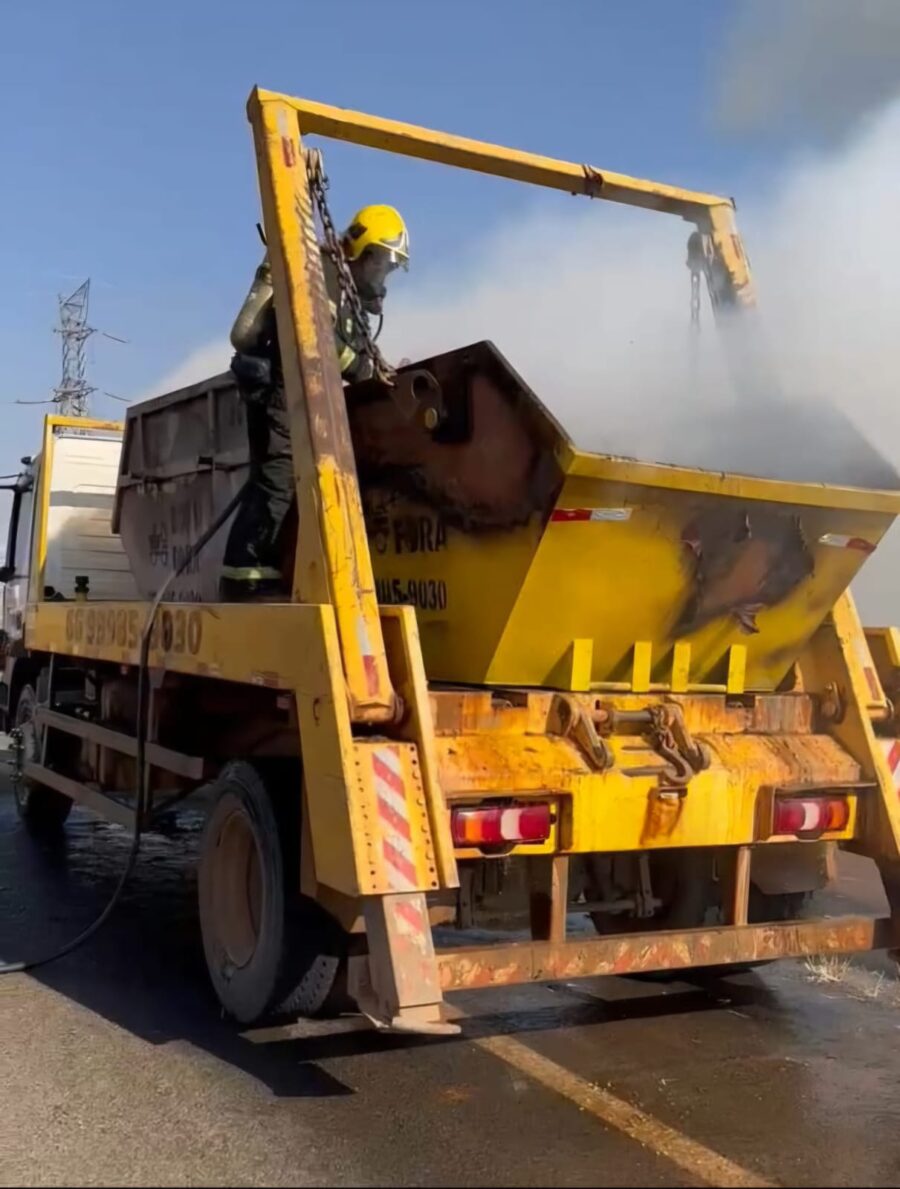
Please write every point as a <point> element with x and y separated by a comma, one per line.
<point>695,301</point>
<point>697,263</point>
<point>318,185</point>
<point>670,736</point>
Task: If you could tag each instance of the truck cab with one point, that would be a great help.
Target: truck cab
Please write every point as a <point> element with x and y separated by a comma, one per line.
<point>59,530</point>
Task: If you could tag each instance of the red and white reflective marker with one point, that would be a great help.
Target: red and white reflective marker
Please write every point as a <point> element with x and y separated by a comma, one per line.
<point>838,541</point>
<point>495,825</point>
<point>569,515</point>
<point>393,814</point>
<point>891,749</point>
<point>810,815</point>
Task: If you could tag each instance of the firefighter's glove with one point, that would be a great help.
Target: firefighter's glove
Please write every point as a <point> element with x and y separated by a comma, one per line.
<point>252,372</point>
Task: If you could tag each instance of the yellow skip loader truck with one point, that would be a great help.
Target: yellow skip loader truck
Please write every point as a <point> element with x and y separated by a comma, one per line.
<point>626,710</point>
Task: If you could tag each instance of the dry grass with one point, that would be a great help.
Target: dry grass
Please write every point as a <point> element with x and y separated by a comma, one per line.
<point>827,968</point>
<point>837,971</point>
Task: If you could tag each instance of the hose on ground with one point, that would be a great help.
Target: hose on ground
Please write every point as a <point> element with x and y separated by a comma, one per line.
<point>199,545</point>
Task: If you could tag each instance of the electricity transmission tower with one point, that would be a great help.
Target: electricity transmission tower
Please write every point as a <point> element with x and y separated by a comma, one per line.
<point>73,393</point>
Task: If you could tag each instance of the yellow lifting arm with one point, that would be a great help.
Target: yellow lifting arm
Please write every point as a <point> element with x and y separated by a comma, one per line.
<point>332,562</point>
<point>713,215</point>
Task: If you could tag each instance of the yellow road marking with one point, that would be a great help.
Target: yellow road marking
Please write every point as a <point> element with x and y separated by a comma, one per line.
<point>694,1158</point>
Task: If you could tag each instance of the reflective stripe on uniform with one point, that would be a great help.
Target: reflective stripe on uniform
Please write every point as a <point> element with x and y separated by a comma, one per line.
<point>346,354</point>
<point>251,573</point>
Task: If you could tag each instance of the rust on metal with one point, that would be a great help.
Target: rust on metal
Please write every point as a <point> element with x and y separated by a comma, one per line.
<point>488,462</point>
<point>571,720</point>
<point>742,561</point>
<point>523,962</point>
<point>593,182</point>
<point>797,760</point>
<point>684,756</point>
<point>418,396</point>
<point>714,714</point>
<point>524,711</point>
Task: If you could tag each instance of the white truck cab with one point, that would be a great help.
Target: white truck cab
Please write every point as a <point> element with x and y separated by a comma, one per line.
<point>59,534</point>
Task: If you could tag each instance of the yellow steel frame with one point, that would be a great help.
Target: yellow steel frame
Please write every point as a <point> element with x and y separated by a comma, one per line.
<point>579,464</point>
<point>294,649</point>
<point>333,564</point>
<point>711,213</point>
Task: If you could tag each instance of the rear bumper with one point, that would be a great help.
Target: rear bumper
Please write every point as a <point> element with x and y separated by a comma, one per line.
<point>617,792</point>
<point>542,961</point>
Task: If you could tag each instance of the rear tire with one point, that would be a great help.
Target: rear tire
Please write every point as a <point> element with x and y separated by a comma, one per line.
<point>688,894</point>
<point>763,908</point>
<point>268,949</point>
<point>43,810</point>
<point>777,906</point>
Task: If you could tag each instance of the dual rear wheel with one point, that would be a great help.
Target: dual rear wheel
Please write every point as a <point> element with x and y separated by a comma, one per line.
<point>269,950</point>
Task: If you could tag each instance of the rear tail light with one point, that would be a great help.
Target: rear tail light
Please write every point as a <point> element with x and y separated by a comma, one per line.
<point>810,816</point>
<point>498,825</point>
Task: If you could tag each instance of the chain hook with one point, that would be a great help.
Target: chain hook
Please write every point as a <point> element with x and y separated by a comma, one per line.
<point>318,185</point>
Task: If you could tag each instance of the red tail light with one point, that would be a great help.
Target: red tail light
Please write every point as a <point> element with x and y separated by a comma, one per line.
<point>497,825</point>
<point>810,816</point>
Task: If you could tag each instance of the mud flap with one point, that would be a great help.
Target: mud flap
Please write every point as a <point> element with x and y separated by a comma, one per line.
<point>788,868</point>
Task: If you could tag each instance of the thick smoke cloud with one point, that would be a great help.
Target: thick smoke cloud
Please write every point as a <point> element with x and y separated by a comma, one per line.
<point>820,64</point>
<point>593,309</point>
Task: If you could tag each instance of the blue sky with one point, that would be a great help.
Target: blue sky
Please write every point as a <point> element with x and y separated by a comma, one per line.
<point>127,156</point>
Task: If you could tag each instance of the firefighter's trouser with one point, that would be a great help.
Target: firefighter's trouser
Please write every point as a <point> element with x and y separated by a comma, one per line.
<point>253,551</point>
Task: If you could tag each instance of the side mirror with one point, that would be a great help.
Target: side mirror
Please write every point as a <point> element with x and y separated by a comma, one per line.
<point>7,572</point>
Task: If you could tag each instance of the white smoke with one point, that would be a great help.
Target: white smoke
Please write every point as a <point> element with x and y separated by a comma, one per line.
<point>820,64</point>
<point>203,362</point>
<point>591,307</point>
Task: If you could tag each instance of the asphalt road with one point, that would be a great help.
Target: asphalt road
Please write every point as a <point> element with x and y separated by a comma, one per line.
<point>116,1068</point>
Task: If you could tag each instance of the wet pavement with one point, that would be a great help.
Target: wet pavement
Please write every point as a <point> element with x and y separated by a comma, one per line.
<point>116,1067</point>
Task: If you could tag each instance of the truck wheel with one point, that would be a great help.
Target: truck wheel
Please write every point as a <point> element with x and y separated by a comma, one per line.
<point>777,906</point>
<point>43,810</point>
<point>763,908</point>
<point>268,950</point>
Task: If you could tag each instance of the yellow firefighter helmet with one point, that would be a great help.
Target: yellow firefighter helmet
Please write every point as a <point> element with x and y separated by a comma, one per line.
<point>381,227</point>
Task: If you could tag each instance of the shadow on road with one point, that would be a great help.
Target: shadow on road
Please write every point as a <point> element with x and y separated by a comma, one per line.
<point>144,971</point>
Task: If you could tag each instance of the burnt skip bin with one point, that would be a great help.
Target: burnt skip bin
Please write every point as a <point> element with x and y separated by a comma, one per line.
<point>513,544</point>
<point>516,548</point>
<point>489,463</point>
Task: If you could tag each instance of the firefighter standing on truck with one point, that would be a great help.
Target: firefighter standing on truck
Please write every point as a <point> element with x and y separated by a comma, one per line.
<point>374,245</point>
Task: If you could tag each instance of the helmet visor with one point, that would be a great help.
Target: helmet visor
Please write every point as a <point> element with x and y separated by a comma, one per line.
<point>376,264</point>
<point>371,272</point>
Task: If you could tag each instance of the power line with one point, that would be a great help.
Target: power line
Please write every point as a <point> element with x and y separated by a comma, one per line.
<point>72,395</point>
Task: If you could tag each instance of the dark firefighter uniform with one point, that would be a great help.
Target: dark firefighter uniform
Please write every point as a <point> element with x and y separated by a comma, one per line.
<point>252,562</point>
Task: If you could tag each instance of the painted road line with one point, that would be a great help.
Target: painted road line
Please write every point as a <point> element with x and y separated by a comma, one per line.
<point>692,1157</point>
